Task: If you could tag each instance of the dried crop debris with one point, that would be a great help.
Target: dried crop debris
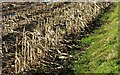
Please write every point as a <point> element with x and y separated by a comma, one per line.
<point>34,37</point>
